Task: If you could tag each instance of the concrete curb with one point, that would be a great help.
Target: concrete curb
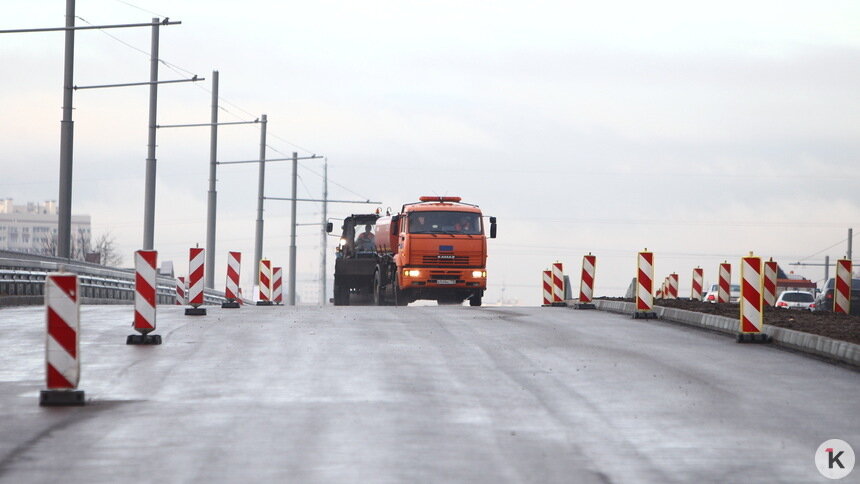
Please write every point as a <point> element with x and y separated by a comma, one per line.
<point>841,351</point>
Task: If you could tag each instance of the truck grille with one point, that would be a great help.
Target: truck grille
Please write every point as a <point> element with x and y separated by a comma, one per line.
<point>446,260</point>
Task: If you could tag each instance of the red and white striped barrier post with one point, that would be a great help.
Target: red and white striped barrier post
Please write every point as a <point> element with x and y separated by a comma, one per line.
<point>645,286</point>
<point>672,285</point>
<point>725,286</point>
<point>180,292</point>
<point>659,293</point>
<point>265,283</point>
<point>277,288</point>
<point>586,283</point>
<point>769,285</point>
<point>196,260</point>
<point>557,284</point>
<point>842,287</point>
<point>145,269</point>
<point>698,283</point>
<point>62,345</point>
<point>547,288</point>
<point>234,268</point>
<point>751,302</point>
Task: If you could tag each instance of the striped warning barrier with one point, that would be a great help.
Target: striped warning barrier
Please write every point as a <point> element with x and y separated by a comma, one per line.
<point>277,288</point>
<point>698,284</point>
<point>62,346</point>
<point>180,292</point>
<point>265,282</point>
<point>234,268</point>
<point>145,268</point>
<point>547,288</point>
<point>659,293</point>
<point>557,284</point>
<point>645,285</point>
<point>724,288</point>
<point>196,259</point>
<point>842,287</point>
<point>751,303</point>
<point>672,286</point>
<point>586,283</point>
<point>769,282</point>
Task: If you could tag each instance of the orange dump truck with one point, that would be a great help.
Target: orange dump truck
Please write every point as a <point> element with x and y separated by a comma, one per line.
<point>434,249</point>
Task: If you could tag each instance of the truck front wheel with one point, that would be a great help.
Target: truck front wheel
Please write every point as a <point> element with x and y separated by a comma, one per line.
<point>378,291</point>
<point>399,295</point>
<point>341,295</point>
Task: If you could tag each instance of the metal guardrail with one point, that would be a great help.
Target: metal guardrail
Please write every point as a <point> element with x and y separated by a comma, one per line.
<point>22,281</point>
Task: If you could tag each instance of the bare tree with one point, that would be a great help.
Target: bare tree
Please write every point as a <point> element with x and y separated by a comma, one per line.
<point>103,251</point>
<point>105,245</point>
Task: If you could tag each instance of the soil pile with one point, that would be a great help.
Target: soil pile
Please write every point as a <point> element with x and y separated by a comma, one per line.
<point>824,323</point>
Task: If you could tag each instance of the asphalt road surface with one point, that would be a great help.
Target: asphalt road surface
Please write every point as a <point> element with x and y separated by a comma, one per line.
<point>417,394</point>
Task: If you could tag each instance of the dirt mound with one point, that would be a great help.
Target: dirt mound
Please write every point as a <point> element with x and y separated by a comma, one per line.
<point>824,323</point>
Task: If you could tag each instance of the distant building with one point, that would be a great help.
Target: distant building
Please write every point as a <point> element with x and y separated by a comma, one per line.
<point>32,227</point>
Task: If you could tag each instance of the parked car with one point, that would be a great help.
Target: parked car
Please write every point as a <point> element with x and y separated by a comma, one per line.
<point>734,293</point>
<point>796,300</point>
<point>824,301</point>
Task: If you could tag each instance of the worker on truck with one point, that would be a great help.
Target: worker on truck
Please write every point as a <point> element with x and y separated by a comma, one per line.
<point>365,241</point>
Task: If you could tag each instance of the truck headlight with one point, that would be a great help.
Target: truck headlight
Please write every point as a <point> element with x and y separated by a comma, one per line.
<point>342,242</point>
<point>479,273</point>
<point>411,272</point>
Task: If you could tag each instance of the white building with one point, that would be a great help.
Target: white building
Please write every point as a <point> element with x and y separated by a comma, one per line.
<point>32,227</point>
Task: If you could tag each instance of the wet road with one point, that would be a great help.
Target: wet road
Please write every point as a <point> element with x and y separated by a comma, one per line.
<point>417,394</point>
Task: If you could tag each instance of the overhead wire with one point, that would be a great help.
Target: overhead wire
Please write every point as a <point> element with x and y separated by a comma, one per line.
<point>181,70</point>
<point>822,250</point>
<point>185,72</point>
<point>141,8</point>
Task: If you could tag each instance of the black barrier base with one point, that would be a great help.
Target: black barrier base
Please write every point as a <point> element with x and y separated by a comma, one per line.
<point>143,339</point>
<point>559,304</point>
<point>644,315</point>
<point>265,303</point>
<point>754,338</point>
<point>230,305</point>
<point>61,398</point>
<point>585,306</point>
<point>195,311</point>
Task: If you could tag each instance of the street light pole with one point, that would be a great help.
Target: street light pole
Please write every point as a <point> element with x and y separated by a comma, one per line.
<point>149,191</point>
<point>212,195</point>
<point>64,208</point>
<point>324,234</point>
<point>292,287</point>
<point>261,184</point>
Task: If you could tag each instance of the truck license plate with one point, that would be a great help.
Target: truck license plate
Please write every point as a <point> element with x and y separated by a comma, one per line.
<point>445,281</point>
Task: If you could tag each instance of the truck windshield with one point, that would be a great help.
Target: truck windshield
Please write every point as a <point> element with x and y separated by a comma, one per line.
<point>365,240</point>
<point>466,223</point>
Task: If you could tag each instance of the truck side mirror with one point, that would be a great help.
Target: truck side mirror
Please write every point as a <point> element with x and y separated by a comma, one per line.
<point>492,227</point>
<point>329,227</point>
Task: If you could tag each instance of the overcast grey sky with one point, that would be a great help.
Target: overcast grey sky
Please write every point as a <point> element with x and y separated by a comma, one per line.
<point>698,130</point>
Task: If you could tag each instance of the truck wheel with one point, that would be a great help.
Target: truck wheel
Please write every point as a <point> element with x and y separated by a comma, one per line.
<point>399,295</point>
<point>475,301</point>
<point>341,295</point>
<point>378,294</point>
